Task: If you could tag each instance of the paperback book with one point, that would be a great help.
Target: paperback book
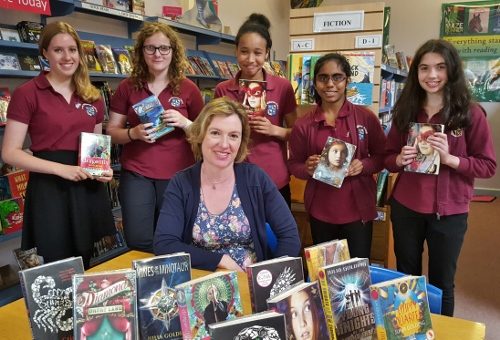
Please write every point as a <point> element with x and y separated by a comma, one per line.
<point>323,254</point>
<point>266,325</point>
<point>105,305</point>
<point>360,88</point>
<point>401,309</point>
<point>9,61</point>
<point>122,57</point>
<point>157,299</point>
<point>106,59</point>
<point>95,153</point>
<point>427,160</point>
<point>9,34</point>
<point>267,279</point>
<point>345,288</point>
<point>304,314</point>
<point>207,300</point>
<point>88,47</point>
<point>29,62</point>
<point>11,215</point>
<point>27,258</point>
<point>29,31</point>
<point>334,162</point>
<point>48,294</point>
<point>253,96</point>
<point>150,110</point>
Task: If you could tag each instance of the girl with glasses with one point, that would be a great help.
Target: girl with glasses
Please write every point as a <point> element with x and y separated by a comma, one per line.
<point>345,212</point>
<point>148,164</point>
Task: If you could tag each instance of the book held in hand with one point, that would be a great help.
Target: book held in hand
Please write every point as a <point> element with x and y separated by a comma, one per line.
<point>95,153</point>
<point>267,279</point>
<point>427,160</point>
<point>150,110</point>
<point>266,325</point>
<point>334,162</point>
<point>325,253</point>
<point>253,96</point>
<point>157,299</point>
<point>48,294</point>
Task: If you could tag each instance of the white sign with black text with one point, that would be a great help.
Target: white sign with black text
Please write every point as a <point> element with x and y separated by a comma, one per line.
<point>368,41</point>
<point>302,45</point>
<point>339,21</point>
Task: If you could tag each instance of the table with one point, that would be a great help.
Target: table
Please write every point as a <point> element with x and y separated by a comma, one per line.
<point>14,324</point>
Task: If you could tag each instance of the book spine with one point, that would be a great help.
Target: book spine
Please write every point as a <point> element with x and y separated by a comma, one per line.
<point>327,306</point>
<point>184,319</point>
<point>378,314</point>
<point>251,289</point>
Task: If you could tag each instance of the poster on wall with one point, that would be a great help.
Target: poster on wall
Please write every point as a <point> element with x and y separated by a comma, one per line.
<point>474,29</point>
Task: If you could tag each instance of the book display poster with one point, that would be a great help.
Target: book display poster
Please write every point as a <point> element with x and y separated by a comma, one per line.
<point>334,162</point>
<point>427,160</point>
<point>474,29</point>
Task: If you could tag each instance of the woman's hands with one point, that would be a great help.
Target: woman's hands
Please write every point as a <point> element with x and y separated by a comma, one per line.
<point>228,263</point>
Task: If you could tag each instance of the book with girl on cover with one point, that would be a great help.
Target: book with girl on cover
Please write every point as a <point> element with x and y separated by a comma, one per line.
<point>253,96</point>
<point>334,162</point>
<point>95,153</point>
<point>427,160</point>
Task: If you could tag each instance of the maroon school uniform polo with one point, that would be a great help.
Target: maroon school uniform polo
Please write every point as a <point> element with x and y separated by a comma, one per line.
<point>170,153</point>
<point>267,152</point>
<point>38,105</point>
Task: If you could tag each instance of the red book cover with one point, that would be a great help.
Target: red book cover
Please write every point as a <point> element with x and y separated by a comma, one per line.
<point>95,153</point>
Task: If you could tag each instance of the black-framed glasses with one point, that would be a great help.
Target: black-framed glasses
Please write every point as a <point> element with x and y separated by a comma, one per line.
<point>336,78</point>
<point>151,49</point>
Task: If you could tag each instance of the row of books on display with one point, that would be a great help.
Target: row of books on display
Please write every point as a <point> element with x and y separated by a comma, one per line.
<point>134,6</point>
<point>158,299</point>
<point>359,89</point>
<point>390,90</point>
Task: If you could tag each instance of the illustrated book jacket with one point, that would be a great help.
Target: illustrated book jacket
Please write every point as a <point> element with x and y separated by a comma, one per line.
<point>48,294</point>
<point>150,110</point>
<point>95,153</point>
<point>210,299</point>
<point>427,160</point>
<point>105,305</point>
<point>345,288</point>
<point>334,162</point>
<point>269,278</point>
<point>157,299</point>
<point>253,96</point>
<point>325,253</point>
<point>266,325</point>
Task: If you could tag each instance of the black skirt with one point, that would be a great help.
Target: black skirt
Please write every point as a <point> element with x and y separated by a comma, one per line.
<point>63,218</point>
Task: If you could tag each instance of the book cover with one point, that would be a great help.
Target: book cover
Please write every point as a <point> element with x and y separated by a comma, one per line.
<point>9,61</point>
<point>137,6</point>
<point>478,20</point>
<point>324,254</point>
<point>4,104</point>
<point>253,96</point>
<point>207,300</point>
<point>105,305</point>
<point>295,74</point>
<point>157,299</point>
<point>10,34</point>
<point>106,59</point>
<point>11,215</point>
<point>29,31</point>
<point>122,5</point>
<point>48,295</point>
<point>334,162</point>
<point>27,258</point>
<point>427,160</point>
<point>269,278</point>
<point>360,88</point>
<point>122,57</point>
<point>29,62</point>
<point>303,310</point>
<point>44,63</point>
<point>88,47</point>
<point>307,95</point>
<point>278,69</point>
<point>345,287</point>
<point>266,325</point>
<point>453,20</point>
<point>94,154</point>
<point>401,309</point>
<point>150,110</point>
<point>14,184</point>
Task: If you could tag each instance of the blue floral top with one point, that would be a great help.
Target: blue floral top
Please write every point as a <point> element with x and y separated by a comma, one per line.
<point>226,233</point>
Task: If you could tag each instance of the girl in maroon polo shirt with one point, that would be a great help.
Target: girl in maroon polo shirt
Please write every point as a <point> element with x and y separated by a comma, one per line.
<point>148,164</point>
<point>433,208</point>
<point>65,210</point>
<point>268,148</point>
<point>345,212</point>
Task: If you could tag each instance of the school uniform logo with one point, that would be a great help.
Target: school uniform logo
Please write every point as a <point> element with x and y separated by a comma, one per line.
<point>457,133</point>
<point>90,109</point>
<point>175,101</point>
<point>361,132</point>
<point>272,108</point>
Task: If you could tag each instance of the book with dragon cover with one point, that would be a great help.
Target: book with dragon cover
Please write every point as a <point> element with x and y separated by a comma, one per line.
<point>48,294</point>
<point>150,110</point>
<point>95,153</point>
<point>207,300</point>
<point>345,288</point>
<point>427,160</point>
<point>269,278</point>
<point>157,299</point>
<point>334,162</point>
<point>401,309</point>
<point>303,310</point>
<point>325,253</point>
<point>266,326</point>
<point>105,305</point>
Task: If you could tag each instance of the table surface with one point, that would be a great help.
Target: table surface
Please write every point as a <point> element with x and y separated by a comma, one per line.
<point>14,324</point>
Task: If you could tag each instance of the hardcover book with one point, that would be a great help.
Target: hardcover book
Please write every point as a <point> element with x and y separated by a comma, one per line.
<point>94,154</point>
<point>323,254</point>
<point>304,314</point>
<point>105,305</point>
<point>150,110</point>
<point>157,299</point>
<point>9,61</point>
<point>360,88</point>
<point>4,104</point>
<point>29,62</point>
<point>334,162</point>
<point>27,258</point>
<point>345,287</point>
<point>267,279</point>
<point>253,96</point>
<point>122,57</point>
<point>89,49</point>
<point>207,300</point>
<point>11,215</point>
<point>427,160</point>
<point>106,59</point>
<point>266,325</point>
<point>48,294</point>
<point>401,309</point>
<point>29,31</point>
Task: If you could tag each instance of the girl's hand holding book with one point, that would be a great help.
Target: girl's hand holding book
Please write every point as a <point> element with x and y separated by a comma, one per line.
<point>175,118</point>
<point>143,132</point>
<point>407,155</point>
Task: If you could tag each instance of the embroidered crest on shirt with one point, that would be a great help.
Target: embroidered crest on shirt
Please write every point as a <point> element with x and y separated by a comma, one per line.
<point>90,109</point>
<point>175,101</point>
<point>457,133</point>
<point>361,132</point>
<point>272,108</point>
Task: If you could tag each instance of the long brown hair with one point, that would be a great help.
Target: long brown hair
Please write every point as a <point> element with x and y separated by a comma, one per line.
<point>178,65</point>
<point>83,87</point>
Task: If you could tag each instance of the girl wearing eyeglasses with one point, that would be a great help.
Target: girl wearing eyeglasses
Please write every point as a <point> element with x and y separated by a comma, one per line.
<point>345,212</point>
<point>269,134</point>
<point>147,164</point>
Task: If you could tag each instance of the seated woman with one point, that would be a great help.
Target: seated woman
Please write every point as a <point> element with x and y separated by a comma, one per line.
<point>217,209</point>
